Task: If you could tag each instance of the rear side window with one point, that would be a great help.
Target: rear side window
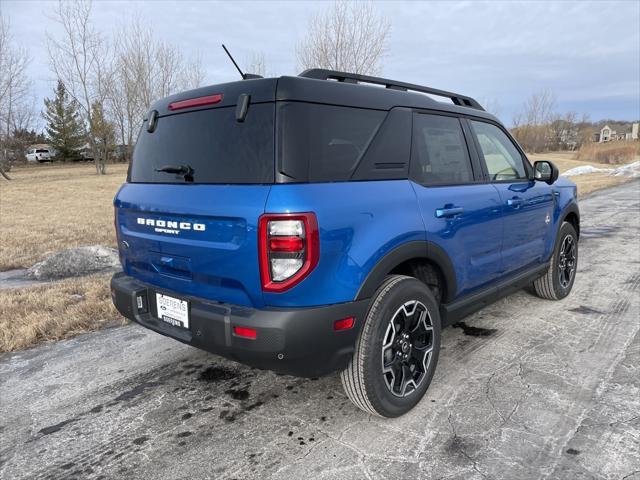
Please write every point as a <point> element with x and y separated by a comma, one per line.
<point>439,153</point>
<point>212,143</point>
<point>323,143</point>
<point>501,157</point>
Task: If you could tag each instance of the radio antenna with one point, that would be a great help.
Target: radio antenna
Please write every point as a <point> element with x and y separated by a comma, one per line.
<point>234,62</point>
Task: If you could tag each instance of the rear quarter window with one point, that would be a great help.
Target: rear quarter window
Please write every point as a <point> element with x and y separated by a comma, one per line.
<point>323,143</point>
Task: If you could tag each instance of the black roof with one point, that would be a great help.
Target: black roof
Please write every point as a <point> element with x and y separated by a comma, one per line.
<point>336,88</point>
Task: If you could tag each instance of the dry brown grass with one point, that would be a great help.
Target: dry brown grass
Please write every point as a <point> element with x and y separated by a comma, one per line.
<point>586,183</point>
<point>54,311</point>
<point>48,208</point>
<point>614,153</point>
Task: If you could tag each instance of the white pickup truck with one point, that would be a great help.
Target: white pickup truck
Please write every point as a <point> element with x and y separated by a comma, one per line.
<point>40,155</point>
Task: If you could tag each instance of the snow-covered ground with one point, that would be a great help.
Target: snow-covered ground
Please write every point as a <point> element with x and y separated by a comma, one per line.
<point>630,170</point>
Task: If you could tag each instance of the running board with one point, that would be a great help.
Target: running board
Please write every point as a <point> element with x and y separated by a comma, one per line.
<point>455,311</point>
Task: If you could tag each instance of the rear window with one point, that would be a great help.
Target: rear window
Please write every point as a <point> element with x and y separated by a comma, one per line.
<point>323,143</point>
<point>439,151</point>
<point>42,151</point>
<point>212,143</point>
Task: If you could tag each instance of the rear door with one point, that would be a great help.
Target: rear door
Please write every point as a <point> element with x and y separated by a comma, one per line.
<point>187,217</point>
<point>527,205</point>
<point>461,213</point>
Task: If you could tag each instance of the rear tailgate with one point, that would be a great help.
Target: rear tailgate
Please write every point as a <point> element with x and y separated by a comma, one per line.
<point>198,240</point>
<point>199,179</point>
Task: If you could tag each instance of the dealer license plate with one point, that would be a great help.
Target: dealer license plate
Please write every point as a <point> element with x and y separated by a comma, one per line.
<point>173,310</point>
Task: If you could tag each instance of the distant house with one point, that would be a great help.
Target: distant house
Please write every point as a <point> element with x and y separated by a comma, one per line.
<point>612,131</point>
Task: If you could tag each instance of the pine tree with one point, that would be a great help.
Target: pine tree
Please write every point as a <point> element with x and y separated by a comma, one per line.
<point>103,136</point>
<point>64,129</point>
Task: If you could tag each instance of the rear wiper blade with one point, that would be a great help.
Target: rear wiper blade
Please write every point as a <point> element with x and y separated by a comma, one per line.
<point>177,169</point>
<point>185,170</point>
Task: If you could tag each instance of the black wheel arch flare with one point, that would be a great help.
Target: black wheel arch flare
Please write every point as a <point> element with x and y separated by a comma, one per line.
<point>419,250</point>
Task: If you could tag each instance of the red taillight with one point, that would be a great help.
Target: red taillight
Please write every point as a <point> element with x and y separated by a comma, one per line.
<point>245,332</point>
<point>289,246</point>
<point>344,324</point>
<point>196,102</point>
<point>286,244</point>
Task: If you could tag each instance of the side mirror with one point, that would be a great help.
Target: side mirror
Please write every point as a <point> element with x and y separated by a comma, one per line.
<point>545,171</point>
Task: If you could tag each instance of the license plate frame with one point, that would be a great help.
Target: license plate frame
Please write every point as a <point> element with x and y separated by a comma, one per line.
<point>173,311</point>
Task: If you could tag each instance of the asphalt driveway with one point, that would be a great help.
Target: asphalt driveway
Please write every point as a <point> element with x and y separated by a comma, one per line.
<point>526,388</point>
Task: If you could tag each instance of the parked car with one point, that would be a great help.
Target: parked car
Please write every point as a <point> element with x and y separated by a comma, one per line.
<point>43,154</point>
<point>320,223</point>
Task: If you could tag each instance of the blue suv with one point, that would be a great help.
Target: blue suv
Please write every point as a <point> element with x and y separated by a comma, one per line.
<point>334,222</point>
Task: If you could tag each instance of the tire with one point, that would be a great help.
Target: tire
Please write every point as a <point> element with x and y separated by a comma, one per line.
<point>396,333</point>
<point>558,280</point>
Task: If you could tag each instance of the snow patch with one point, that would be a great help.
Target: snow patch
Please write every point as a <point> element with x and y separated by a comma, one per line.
<point>75,262</point>
<point>631,170</point>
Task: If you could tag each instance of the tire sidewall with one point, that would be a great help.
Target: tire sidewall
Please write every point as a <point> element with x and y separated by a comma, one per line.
<point>565,230</point>
<point>382,399</point>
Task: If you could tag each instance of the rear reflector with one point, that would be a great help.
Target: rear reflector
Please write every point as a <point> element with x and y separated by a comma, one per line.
<point>245,332</point>
<point>344,324</point>
<point>196,102</point>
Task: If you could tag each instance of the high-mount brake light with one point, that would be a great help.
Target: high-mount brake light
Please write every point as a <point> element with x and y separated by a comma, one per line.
<point>196,102</point>
<point>289,246</point>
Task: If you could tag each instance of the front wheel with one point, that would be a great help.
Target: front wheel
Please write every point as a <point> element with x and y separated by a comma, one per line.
<point>397,352</point>
<point>557,282</point>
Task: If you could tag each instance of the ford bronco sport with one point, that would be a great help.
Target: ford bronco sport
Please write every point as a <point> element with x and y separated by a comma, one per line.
<point>334,222</point>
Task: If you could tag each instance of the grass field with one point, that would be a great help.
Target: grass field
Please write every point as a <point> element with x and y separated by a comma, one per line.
<point>48,208</point>
<point>54,311</point>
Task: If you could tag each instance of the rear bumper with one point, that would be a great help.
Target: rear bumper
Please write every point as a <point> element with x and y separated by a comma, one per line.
<point>299,342</point>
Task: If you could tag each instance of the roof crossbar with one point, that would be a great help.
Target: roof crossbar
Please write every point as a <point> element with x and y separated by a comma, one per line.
<point>322,74</point>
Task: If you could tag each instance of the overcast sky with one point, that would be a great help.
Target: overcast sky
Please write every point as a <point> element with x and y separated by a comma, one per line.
<point>587,53</point>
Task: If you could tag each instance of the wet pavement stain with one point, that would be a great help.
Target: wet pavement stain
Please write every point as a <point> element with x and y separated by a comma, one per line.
<point>135,391</point>
<point>217,374</point>
<point>474,331</point>
<point>237,394</point>
<point>228,416</point>
<point>57,427</point>
<point>572,451</point>
<point>140,440</point>
<point>586,310</point>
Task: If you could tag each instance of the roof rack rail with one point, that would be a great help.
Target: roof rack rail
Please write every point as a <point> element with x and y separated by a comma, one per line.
<point>323,74</point>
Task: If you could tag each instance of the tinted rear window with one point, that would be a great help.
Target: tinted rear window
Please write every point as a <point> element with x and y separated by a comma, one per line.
<point>217,147</point>
<point>323,143</point>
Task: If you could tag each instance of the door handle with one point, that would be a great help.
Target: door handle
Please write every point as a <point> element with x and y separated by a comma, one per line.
<point>448,212</point>
<point>514,202</point>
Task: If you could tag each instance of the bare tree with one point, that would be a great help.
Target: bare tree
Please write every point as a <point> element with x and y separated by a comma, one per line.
<point>16,100</point>
<point>256,64</point>
<point>349,36</point>
<point>531,124</point>
<point>144,69</point>
<point>78,60</point>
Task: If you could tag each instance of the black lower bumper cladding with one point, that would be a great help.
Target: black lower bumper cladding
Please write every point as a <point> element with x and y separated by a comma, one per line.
<point>301,342</point>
